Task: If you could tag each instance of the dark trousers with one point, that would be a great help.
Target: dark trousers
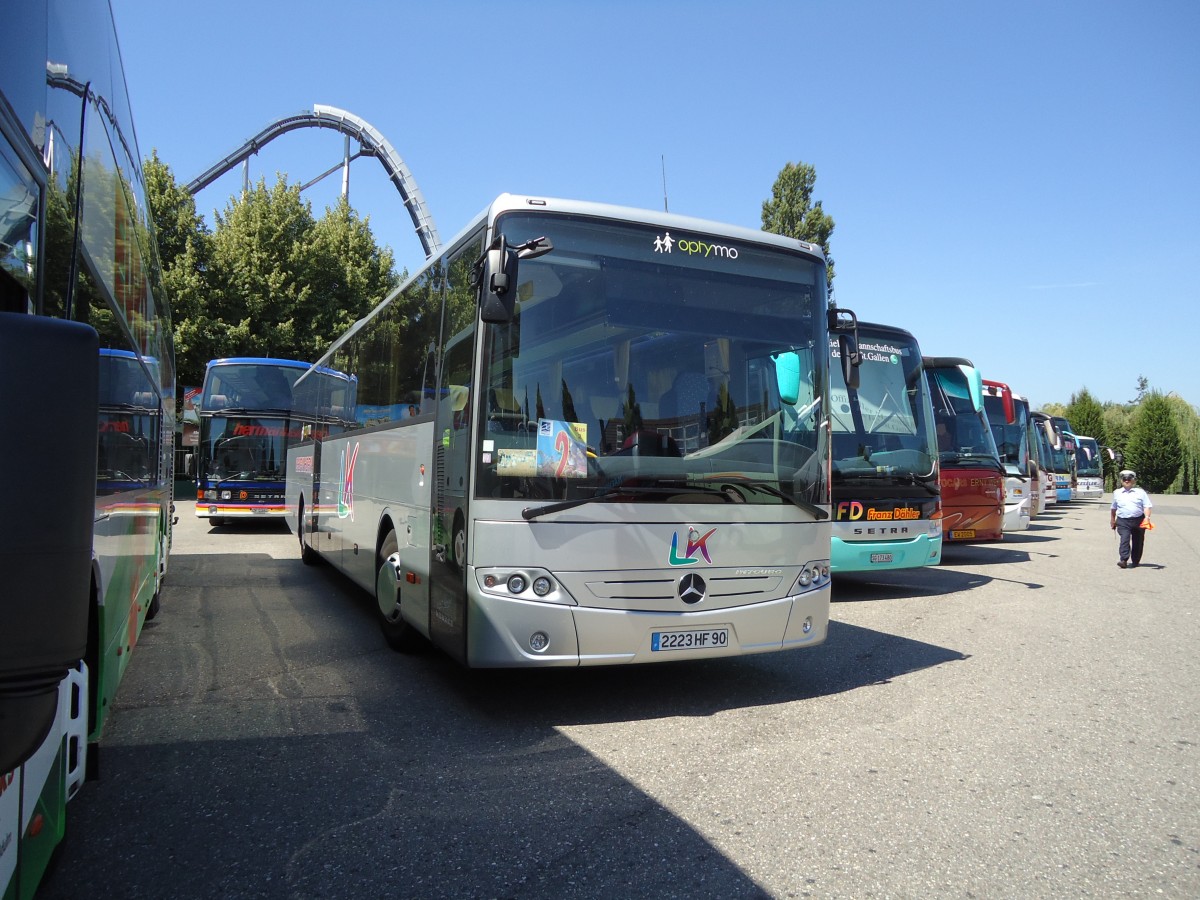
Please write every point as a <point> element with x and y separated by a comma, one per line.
<point>1131,532</point>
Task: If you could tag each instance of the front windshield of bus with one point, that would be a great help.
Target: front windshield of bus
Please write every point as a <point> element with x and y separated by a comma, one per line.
<point>245,420</point>
<point>645,366</point>
<point>1012,438</point>
<point>884,430</point>
<point>963,434</point>
<point>1087,457</point>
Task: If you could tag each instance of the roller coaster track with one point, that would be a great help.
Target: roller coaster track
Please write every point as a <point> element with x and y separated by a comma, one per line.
<point>372,143</point>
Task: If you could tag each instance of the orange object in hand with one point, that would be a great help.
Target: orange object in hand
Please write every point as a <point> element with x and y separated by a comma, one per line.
<point>1148,525</point>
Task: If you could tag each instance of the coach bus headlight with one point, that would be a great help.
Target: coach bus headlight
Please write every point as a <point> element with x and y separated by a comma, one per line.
<point>813,576</point>
<point>226,495</point>
<point>506,582</point>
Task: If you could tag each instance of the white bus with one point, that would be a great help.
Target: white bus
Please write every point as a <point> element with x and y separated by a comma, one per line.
<point>595,435</point>
<point>1089,469</point>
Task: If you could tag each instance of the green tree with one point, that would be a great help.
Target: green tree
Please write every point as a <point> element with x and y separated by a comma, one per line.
<point>1187,421</point>
<point>185,251</point>
<point>1143,385</point>
<point>347,274</point>
<point>792,212</point>
<point>1154,449</point>
<point>269,280</point>
<point>1054,409</point>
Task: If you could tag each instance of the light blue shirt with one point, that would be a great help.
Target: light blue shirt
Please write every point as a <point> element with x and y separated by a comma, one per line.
<point>1129,503</point>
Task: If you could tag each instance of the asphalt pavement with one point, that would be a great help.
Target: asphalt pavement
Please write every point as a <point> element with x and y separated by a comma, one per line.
<point>1020,721</point>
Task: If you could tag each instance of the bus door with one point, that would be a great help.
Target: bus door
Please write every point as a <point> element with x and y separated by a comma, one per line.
<point>457,405</point>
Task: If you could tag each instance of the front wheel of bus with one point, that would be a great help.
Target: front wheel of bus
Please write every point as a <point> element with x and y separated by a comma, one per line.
<point>308,555</point>
<point>398,633</point>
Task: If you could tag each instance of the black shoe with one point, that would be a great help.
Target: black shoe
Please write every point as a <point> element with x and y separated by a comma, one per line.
<point>1122,563</point>
<point>1133,565</point>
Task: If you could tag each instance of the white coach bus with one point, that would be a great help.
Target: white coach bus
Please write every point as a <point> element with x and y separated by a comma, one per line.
<point>585,435</point>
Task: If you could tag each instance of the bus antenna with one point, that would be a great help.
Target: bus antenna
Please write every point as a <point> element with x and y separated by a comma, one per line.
<point>664,171</point>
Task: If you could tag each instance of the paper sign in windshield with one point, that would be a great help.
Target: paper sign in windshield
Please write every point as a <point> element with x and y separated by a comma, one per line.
<point>562,449</point>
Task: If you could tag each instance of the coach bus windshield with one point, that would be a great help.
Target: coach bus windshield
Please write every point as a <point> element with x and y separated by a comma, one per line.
<point>643,366</point>
<point>882,431</point>
<point>246,424</point>
<point>1012,438</point>
<point>1087,458</point>
<point>963,434</point>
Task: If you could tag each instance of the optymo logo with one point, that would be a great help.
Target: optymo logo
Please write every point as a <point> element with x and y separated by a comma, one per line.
<point>664,244</point>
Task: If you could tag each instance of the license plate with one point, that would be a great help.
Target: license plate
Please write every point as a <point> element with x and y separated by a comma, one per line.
<point>962,534</point>
<point>881,557</point>
<point>693,639</point>
<point>259,511</point>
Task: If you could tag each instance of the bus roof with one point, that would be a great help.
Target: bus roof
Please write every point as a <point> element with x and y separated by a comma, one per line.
<point>256,361</point>
<point>516,202</point>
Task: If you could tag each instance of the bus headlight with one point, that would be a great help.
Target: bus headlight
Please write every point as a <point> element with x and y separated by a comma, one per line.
<point>507,582</point>
<point>813,576</point>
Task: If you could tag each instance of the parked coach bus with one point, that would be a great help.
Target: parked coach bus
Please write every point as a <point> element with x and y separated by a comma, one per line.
<point>1008,416</point>
<point>886,500</point>
<point>247,420</point>
<point>620,447</point>
<point>1062,439</point>
<point>87,387</point>
<point>1089,468</point>
<point>972,477</point>
<point>1037,473</point>
<point>1043,432</point>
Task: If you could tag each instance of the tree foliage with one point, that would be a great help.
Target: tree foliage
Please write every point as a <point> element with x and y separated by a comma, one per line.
<point>269,279</point>
<point>792,212</point>
<point>1154,450</point>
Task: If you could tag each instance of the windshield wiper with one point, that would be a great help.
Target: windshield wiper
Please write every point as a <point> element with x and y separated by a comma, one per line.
<point>532,512</point>
<point>767,488</point>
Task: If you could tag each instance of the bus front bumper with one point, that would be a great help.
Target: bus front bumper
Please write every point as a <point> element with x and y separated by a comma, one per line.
<point>503,631</point>
<point>867,556</point>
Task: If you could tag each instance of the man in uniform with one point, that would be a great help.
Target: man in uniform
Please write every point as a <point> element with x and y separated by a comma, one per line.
<point>1130,508</point>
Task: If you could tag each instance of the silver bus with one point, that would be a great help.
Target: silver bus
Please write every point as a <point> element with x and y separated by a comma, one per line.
<point>585,435</point>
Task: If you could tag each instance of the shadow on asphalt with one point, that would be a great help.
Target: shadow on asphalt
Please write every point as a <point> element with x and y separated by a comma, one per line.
<point>273,730</point>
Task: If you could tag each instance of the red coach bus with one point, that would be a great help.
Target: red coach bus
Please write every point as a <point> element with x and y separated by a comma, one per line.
<point>972,476</point>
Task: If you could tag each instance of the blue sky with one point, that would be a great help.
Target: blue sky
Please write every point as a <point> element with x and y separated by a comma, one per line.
<point>1017,183</point>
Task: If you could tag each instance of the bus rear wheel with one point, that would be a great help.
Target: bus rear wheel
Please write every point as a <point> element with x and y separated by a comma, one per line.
<point>397,632</point>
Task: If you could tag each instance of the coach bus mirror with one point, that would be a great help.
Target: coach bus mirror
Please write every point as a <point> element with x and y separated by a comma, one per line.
<point>851,360</point>
<point>47,561</point>
<point>787,377</point>
<point>498,284</point>
<point>842,320</point>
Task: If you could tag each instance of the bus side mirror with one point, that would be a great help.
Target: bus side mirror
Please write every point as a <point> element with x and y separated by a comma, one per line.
<point>851,359</point>
<point>498,283</point>
<point>787,377</point>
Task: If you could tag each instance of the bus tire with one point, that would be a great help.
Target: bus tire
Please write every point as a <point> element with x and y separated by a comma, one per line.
<point>459,546</point>
<point>308,555</point>
<point>398,633</point>
<point>155,605</point>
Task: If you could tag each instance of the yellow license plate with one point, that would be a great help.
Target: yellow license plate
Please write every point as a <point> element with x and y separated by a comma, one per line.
<point>962,534</point>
